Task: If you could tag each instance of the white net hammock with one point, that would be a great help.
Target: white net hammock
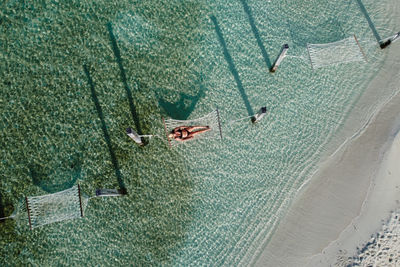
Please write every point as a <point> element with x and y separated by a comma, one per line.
<point>212,120</point>
<point>64,205</point>
<point>343,51</point>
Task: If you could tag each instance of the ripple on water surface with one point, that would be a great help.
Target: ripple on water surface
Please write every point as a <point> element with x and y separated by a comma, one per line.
<point>77,74</point>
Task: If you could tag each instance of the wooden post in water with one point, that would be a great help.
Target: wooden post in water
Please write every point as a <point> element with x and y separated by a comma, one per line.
<point>281,56</point>
<point>396,37</point>
<point>260,114</point>
<point>135,137</point>
<point>385,44</point>
<point>389,41</point>
<point>110,192</point>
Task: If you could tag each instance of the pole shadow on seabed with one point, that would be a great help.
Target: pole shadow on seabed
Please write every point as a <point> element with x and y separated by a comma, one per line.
<point>104,128</point>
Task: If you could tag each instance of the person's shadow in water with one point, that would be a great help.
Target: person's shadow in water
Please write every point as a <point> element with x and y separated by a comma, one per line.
<point>182,108</point>
<point>46,182</point>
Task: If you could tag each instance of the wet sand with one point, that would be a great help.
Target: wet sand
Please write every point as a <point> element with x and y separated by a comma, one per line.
<point>351,196</point>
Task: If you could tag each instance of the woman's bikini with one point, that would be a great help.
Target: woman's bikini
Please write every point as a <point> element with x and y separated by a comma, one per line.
<point>183,133</point>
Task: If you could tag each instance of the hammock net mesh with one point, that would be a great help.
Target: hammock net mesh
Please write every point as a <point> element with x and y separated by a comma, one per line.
<point>60,206</point>
<point>343,51</point>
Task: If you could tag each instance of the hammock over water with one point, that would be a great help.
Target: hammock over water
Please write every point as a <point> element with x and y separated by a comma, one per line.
<point>60,206</point>
<point>343,51</point>
<point>211,120</point>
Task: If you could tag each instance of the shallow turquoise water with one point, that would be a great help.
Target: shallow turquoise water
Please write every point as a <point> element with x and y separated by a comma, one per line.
<point>77,74</point>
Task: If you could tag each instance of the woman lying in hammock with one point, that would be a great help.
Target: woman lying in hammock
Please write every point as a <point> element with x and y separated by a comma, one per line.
<point>184,133</point>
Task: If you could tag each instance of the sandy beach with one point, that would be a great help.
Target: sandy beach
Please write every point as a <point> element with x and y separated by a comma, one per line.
<point>352,202</point>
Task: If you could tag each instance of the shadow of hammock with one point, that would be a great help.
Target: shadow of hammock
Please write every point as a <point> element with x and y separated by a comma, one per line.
<point>181,109</point>
<point>46,183</point>
<point>300,32</point>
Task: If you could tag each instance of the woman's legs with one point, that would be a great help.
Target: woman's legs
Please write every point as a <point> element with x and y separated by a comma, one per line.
<point>202,129</point>
<point>191,129</point>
